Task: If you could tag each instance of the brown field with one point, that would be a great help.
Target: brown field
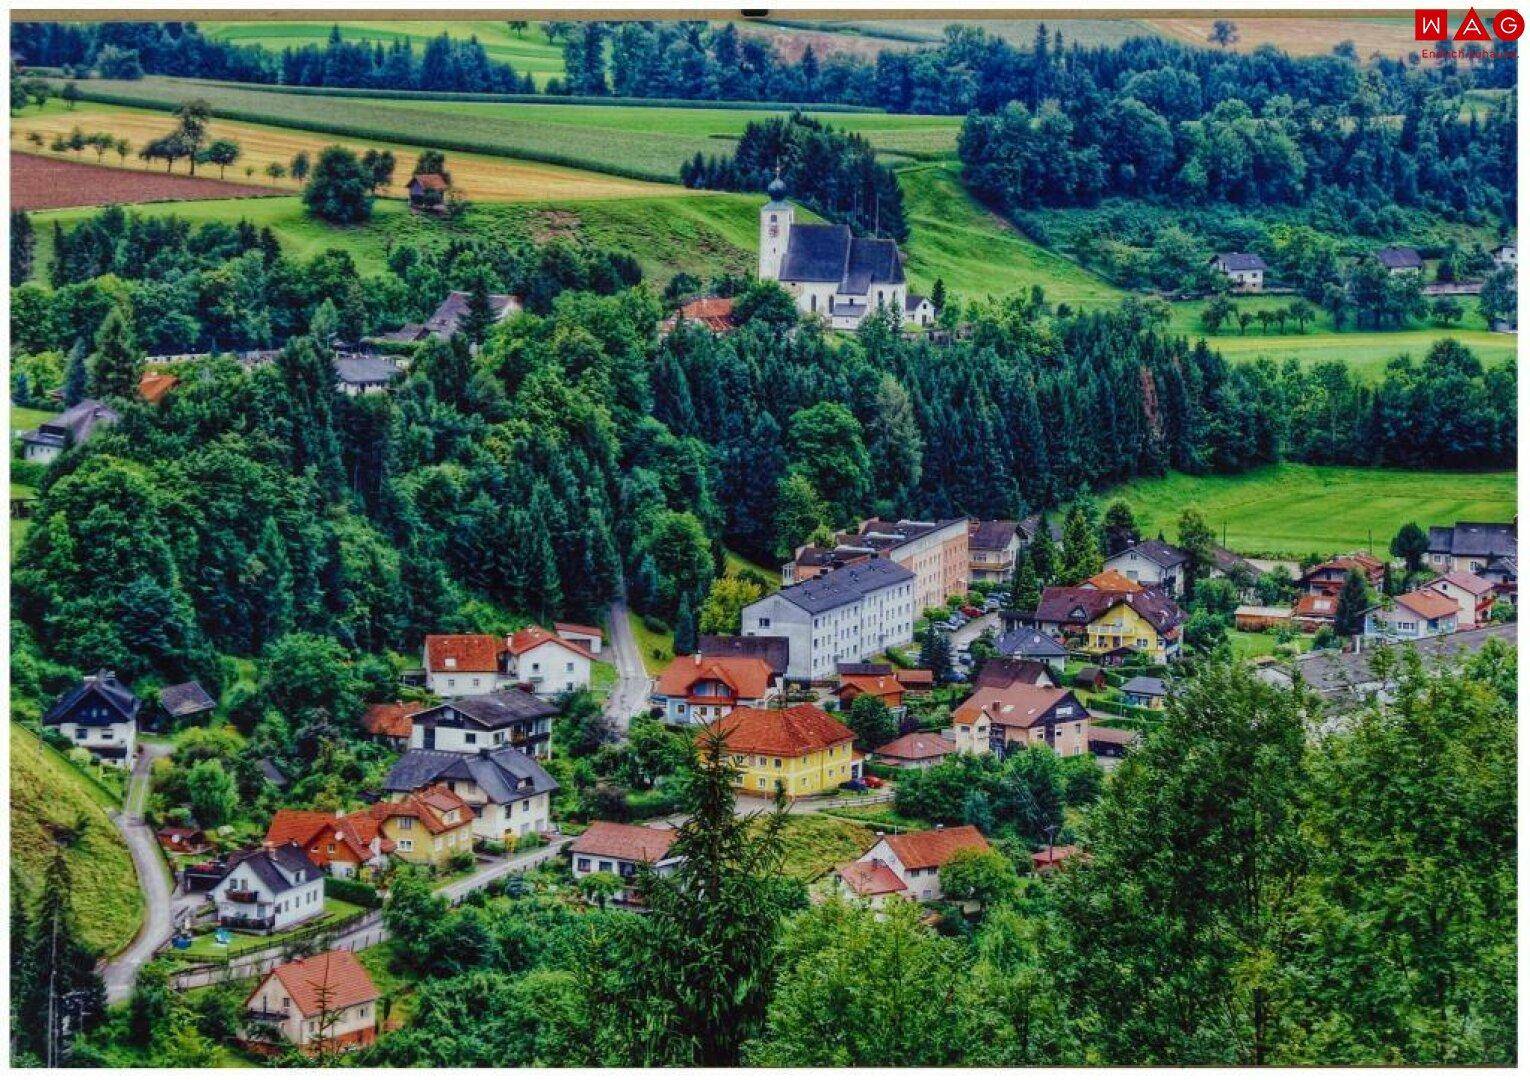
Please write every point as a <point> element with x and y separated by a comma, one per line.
<point>1300,37</point>
<point>50,183</point>
<point>478,177</point>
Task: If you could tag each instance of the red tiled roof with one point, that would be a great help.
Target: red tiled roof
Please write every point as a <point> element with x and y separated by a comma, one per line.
<point>917,746</point>
<point>713,312</point>
<point>429,805</point>
<point>392,719</point>
<point>525,640</point>
<point>634,843</point>
<point>1115,736</point>
<point>462,652</point>
<point>749,676</point>
<point>871,878</point>
<point>934,847</point>
<point>315,830</point>
<point>1463,579</point>
<point>1015,705</point>
<point>793,732</point>
<point>1368,565</point>
<point>580,629</point>
<point>153,386</point>
<point>1315,606</point>
<point>875,685</point>
<point>1428,604</point>
<point>1047,858</point>
<point>327,982</point>
<point>915,677</point>
<point>1112,581</point>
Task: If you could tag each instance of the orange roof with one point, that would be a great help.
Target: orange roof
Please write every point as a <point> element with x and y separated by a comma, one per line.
<point>462,652</point>
<point>329,982</point>
<point>532,636</point>
<point>391,719</point>
<point>1047,858</point>
<point>315,831</point>
<point>429,181</point>
<point>1016,705</point>
<point>1464,580</point>
<point>912,677</point>
<point>917,746</point>
<point>873,878</point>
<point>580,629</point>
<point>1428,604</point>
<point>635,843</point>
<point>1368,565</point>
<point>1112,581</point>
<point>747,676</point>
<point>430,805</point>
<point>1315,606</point>
<point>153,386</point>
<point>713,312</point>
<point>793,732</point>
<point>875,685</point>
<point>934,847</point>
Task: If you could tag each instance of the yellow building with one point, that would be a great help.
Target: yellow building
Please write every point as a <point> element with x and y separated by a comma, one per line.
<point>1109,620</point>
<point>427,827</point>
<point>799,751</point>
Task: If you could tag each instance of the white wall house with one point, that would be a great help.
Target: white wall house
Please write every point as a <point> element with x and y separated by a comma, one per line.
<point>326,1000</point>
<point>846,616</point>
<point>1419,614</point>
<point>269,889</point>
<point>510,793</point>
<point>1152,563</point>
<point>460,664</point>
<point>547,663</point>
<point>1243,270</point>
<point>910,860</point>
<point>99,714</point>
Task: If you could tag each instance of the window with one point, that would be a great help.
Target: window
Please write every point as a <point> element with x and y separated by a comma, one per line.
<point>469,737</point>
<point>584,864</point>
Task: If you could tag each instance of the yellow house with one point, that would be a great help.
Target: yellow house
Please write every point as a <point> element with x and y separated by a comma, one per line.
<point>800,751</point>
<point>427,827</point>
<point>1146,622</point>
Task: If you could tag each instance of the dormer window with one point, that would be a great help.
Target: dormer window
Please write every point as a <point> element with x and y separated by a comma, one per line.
<point>451,662</point>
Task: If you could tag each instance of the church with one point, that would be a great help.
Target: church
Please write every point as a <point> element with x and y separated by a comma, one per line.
<point>832,273</point>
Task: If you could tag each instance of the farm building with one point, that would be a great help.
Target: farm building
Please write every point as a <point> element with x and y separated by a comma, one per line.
<point>1244,270</point>
<point>69,428</point>
<point>1400,260</point>
<point>1255,618</point>
<point>427,192</point>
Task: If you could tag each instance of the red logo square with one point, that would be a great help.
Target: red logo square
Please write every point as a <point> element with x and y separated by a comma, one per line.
<point>1472,28</point>
<point>1429,24</point>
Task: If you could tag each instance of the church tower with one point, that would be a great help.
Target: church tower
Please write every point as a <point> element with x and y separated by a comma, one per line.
<point>775,231</point>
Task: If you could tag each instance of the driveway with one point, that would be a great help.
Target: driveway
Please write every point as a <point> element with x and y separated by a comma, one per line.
<point>153,879</point>
<point>629,698</point>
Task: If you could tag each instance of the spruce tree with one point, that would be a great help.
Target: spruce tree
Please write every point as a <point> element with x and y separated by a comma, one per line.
<point>76,374</point>
<point>23,247</point>
<point>1354,599</point>
<point>1081,556</point>
<point>1024,586</point>
<point>117,363</point>
<point>1044,553</point>
<point>685,626</point>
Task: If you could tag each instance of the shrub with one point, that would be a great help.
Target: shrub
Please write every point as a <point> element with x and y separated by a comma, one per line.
<point>353,892</point>
<point>492,847</point>
<point>529,842</point>
<point>462,860</point>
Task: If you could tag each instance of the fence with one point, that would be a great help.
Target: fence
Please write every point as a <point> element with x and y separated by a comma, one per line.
<point>358,932</point>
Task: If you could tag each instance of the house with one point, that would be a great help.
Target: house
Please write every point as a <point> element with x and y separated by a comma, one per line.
<point>1328,577</point>
<point>1111,581</point>
<point>1050,858</point>
<point>916,750</point>
<point>99,714</point>
<point>185,702</point>
<point>590,637</point>
<point>886,688</point>
<point>907,864</point>
<point>1113,623</point>
<point>991,550</point>
<point>607,847</point>
<point>1028,643</point>
<point>69,428</point>
<point>814,560</point>
<point>1109,745</point>
<point>1146,691</point>
<point>1506,255</point>
<point>182,839</point>
<point>915,681</point>
<point>272,773</point>
<point>829,271</point>
<point>1488,549</point>
<point>341,845</point>
<point>1473,595</point>
<point>848,614</point>
<point>714,313</point>
<point>154,385</point>
<point>1006,671</point>
<point>1418,614</point>
<point>1256,618</point>
<point>546,664</point>
<point>320,1003</point>
<point>700,689</point>
<point>392,722</point>
<point>268,889</point>
<point>1090,677</point>
<point>1243,269</point>
<point>364,373</point>
<point>446,321</point>
<point>1153,563</point>
<point>467,725</point>
<point>1314,611</point>
<point>429,827</point>
<point>801,750</point>
<point>936,551</point>
<point>427,191</point>
<point>775,651</point>
<point>1400,260</point>
<point>996,718</point>
<point>919,310</point>
<point>458,664</point>
<point>509,792</point>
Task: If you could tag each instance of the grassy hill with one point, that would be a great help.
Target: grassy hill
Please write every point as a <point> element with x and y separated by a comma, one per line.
<point>1292,510</point>
<point>47,791</point>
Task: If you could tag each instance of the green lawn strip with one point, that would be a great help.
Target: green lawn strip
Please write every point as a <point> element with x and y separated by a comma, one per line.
<point>397,990</point>
<point>603,676</point>
<point>657,649</point>
<point>1251,646</point>
<point>1291,510</point>
<point>25,419</point>
<point>204,947</point>
<point>816,843</point>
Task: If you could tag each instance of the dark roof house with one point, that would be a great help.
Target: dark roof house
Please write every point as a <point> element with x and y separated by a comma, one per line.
<point>365,371</point>
<point>1400,258</point>
<point>830,253</point>
<point>775,651</point>
<point>1239,261</point>
<point>844,586</point>
<point>1473,539</point>
<point>503,774</point>
<point>186,699</point>
<point>1025,643</point>
<point>71,427</point>
<point>448,317</point>
<point>98,700</point>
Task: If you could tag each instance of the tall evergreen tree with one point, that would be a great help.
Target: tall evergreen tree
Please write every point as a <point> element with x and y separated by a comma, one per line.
<point>117,363</point>
<point>1354,599</point>
<point>1081,556</point>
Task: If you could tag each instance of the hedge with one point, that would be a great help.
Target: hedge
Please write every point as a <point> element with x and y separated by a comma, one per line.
<point>353,892</point>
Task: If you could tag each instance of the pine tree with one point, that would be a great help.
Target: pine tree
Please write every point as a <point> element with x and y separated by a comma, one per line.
<point>1024,586</point>
<point>270,577</point>
<point>480,316</point>
<point>935,654</point>
<point>685,626</point>
<point>117,363</point>
<point>1349,616</point>
<point>76,374</point>
<point>23,247</point>
<point>1044,555</point>
<point>1081,556</point>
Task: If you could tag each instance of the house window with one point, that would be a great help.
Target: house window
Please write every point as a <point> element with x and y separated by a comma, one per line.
<point>469,737</point>
<point>584,864</point>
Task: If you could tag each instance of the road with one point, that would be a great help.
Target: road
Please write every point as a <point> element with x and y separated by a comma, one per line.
<point>153,879</point>
<point>629,697</point>
<point>973,630</point>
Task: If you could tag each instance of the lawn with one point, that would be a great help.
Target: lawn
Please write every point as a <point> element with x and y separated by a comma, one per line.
<point>204,947</point>
<point>1247,646</point>
<point>47,794</point>
<point>24,419</point>
<point>815,843</point>
<point>657,649</point>
<point>1292,510</point>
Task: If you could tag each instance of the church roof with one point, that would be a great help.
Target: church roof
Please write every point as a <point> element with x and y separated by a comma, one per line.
<point>831,253</point>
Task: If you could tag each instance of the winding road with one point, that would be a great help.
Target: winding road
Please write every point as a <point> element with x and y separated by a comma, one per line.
<point>629,698</point>
<point>153,878</point>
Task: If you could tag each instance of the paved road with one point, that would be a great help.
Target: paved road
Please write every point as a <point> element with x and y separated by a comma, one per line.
<point>970,632</point>
<point>153,879</point>
<point>629,698</point>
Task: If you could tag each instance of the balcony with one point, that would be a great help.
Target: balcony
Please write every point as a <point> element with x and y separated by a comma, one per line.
<point>242,896</point>
<point>248,922</point>
<point>261,1016</point>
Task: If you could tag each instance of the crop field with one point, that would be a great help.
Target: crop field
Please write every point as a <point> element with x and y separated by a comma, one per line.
<point>526,51</point>
<point>45,183</point>
<point>479,176</point>
<point>46,794</point>
<point>1298,36</point>
<point>1286,511</point>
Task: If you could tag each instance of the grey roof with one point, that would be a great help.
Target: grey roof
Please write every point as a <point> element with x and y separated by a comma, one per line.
<point>1240,260</point>
<point>1341,674</point>
<point>775,651</point>
<point>883,535</point>
<point>104,686</point>
<point>845,585</point>
<point>1164,554</point>
<point>1471,539</point>
<point>1029,525</point>
<point>864,669</point>
<point>447,319</point>
<point>276,866</point>
<point>1145,684</point>
<point>503,775</point>
<point>990,535</point>
<point>365,369</point>
<point>492,711</point>
<point>271,772</point>
<point>830,253</point>
<point>74,425</point>
<point>1026,643</point>
<point>1006,671</point>
<point>912,301</point>
<point>1399,258</point>
<point>186,699</point>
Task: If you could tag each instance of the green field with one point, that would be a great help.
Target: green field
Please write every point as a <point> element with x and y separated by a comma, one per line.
<point>47,792</point>
<point>529,51</point>
<point>1294,510</point>
<point>816,843</point>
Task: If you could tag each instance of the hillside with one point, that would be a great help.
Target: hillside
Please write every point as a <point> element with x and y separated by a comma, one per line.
<point>46,791</point>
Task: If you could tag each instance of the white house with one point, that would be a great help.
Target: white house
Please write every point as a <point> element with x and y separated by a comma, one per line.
<point>591,637</point>
<point>829,271</point>
<point>459,664</point>
<point>509,791</point>
<point>908,864</point>
<point>844,617</point>
<point>612,848</point>
<point>1419,614</point>
<point>466,725</point>
<point>1244,270</point>
<point>1152,563</point>
<point>99,714</point>
<point>919,310</point>
<point>69,428</point>
<point>1473,596</point>
<point>1506,255</point>
<point>269,889</point>
<point>550,665</point>
<point>326,1001</point>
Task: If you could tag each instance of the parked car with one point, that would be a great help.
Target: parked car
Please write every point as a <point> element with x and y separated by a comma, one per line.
<point>874,782</point>
<point>992,604</point>
<point>854,785</point>
<point>971,612</point>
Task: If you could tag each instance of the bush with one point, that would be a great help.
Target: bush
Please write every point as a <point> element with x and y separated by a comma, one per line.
<point>655,625</point>
<point>462,860</point>
<point>529,842</point>
<point>353,892</point>
<point>492,847</point>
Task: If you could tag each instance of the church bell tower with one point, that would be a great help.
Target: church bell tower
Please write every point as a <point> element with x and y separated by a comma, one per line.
<point>775,230</point>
